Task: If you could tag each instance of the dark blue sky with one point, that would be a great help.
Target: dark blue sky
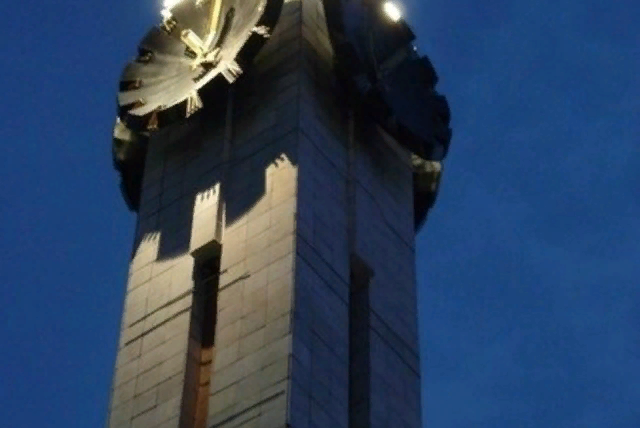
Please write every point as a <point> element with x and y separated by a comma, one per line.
<point>528,266</point>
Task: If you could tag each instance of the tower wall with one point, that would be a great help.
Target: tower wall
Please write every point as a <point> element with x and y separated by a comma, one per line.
<point>310,209</point>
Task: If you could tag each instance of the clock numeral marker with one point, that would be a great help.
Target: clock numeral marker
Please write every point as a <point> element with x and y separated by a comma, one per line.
<point>232,71</point>
<point>194,103</point>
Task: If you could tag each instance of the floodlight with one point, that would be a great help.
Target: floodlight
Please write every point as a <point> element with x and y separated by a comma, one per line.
<point>392,10</point>
<point>169,4</point>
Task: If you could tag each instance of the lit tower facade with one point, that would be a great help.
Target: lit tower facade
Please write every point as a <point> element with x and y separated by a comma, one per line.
<point>280,156</point>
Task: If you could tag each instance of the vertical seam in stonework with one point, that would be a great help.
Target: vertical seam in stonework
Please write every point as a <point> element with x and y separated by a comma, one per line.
<point>298,100</point>
<point>298,132</point>
<point>226,158</point>
<point>351,183</point>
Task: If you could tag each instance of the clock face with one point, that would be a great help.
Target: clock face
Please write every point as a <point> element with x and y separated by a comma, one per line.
<point>197,41</point>
<point>376,56</point>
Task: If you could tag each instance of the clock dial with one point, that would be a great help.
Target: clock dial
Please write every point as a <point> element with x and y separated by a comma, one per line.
<point>197,41</point>
<point>129,150</point>
<point>376,57</point>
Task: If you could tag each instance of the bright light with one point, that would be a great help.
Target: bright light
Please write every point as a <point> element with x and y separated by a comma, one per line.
<point>392,11</point>
<point>169,4</point>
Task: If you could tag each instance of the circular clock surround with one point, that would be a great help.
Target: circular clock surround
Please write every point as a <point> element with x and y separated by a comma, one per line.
<point>196,42</point>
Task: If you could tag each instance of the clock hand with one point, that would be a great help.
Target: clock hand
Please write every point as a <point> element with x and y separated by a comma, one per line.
<point>214,19</point>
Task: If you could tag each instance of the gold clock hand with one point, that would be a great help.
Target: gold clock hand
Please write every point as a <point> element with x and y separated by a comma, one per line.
<point>214,18</point>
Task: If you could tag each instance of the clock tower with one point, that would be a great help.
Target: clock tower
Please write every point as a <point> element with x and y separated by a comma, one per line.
<point>280,156</point>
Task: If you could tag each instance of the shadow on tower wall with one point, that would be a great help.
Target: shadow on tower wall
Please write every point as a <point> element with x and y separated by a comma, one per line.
<point>216,156</point>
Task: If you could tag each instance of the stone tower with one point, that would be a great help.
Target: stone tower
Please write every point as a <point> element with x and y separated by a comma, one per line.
<point>272,282</point>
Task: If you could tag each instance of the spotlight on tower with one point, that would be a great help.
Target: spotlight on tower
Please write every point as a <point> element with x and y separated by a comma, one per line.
<point>392,11</point>
<point>169,4</point>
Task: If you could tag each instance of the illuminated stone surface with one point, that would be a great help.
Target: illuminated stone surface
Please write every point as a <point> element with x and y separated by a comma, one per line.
<point>291,223</point>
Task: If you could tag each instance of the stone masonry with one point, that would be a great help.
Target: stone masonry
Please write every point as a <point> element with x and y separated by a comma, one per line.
<point>303,196</point>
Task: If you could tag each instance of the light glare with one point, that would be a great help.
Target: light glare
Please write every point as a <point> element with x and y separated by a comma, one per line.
<point>392,11</point>
<point>168,4</point>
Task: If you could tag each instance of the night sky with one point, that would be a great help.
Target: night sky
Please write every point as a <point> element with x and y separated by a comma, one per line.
<point>528,267</point>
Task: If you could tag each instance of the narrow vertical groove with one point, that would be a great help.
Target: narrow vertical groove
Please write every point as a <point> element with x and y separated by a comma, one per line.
<point>359,306</point>
<point>359,346</point>
<point>201,351</point>
<point>226,159</point>
<point>351,182</point>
